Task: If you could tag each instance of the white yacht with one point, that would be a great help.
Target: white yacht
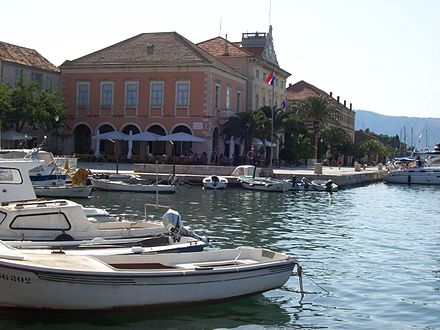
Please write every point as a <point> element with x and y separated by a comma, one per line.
<point>23,217</point>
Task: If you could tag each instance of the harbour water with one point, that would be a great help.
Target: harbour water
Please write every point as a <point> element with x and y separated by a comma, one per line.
<point>371,258</point>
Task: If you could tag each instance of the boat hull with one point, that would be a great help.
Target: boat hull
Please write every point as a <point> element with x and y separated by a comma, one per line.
<point>415,176</point>
<point>24,286</point>
<point>63,191</point>
<point>110,185</point>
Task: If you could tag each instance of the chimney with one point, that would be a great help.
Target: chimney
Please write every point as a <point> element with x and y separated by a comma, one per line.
<point>338,99</point>
<point>331,94</point>
<point>150,47</point>
<point>226,46</point>
<point>345,102</point>
<point>350,106</point>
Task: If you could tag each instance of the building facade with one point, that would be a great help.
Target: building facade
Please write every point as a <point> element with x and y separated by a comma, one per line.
<point>255,58</point>
<point>16,61</point>
<point>344,116</point>
<point>156,82</point>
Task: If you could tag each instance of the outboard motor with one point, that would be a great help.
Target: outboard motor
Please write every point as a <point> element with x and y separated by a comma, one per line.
<point>172,221</point>
<point>329,185</point>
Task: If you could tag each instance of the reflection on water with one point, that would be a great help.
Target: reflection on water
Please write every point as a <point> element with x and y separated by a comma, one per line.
<point>372,251</point>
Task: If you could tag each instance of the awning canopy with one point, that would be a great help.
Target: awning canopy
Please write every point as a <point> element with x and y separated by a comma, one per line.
<point>145,136</point>
<point>180,137</point>
<point>112,135</point>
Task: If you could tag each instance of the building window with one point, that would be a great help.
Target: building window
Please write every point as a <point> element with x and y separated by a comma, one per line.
<point>228,98</point>
<point>156,94</point>
<point>18,74</point>
<point>131,94</point>
<point>37,76</point>
<point>238,101</point>
<point>257,73</point>
<point>49,83</point>
<point>82,96</point>
<point>106,94</point>
<point>182,94</point>
<point>217,96</point>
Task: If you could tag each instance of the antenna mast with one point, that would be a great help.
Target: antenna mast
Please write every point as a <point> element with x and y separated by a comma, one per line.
<point>270,9</point>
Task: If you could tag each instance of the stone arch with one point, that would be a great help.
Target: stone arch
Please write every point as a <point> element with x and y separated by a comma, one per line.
<point>136,144</point>
<point>106,147</point>
<point>182,148</point>
<point>82,139</point>
<point>157,147</point>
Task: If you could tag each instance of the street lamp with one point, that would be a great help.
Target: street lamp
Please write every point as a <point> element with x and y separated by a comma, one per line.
<point>117,156</point>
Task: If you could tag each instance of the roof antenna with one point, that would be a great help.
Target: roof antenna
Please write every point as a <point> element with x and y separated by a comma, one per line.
<point>270,9</point>
<point>220,29</point>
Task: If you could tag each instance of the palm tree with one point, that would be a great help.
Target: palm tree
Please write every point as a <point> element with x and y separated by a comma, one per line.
<point>317,111</point>
<point>279,121</point>
<point>297,143</point>
<point>246,126</point>
<point>334,136</point>
<point>372,149</point>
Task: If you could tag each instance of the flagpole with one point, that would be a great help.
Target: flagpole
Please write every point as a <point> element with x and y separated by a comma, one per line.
<point>271,132</point>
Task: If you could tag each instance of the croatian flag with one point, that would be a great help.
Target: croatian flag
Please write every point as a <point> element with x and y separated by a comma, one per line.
<point>270,80</point>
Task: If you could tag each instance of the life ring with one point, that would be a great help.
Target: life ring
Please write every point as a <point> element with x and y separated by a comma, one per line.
<point>250,155</point>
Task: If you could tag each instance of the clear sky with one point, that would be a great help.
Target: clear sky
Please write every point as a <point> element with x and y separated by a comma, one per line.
<point>381,55</point>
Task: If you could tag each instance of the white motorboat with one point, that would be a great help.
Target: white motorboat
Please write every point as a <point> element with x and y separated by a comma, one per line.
<point>22,217</point>
<point>323,185</point>
<point>102,282</point>
<point>414,175</point>
<point>47,172</point>
<point>63,191</point>
<point>316,185</point>
<point>133,185</point>
<point>100,246</point>
<point>266,184</point>
<point>215,182</point>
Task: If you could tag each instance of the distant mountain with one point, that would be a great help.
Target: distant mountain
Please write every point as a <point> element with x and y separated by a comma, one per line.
<point>397,125</point>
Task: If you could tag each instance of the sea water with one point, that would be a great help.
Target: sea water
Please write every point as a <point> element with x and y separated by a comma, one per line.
<point>370,255</point>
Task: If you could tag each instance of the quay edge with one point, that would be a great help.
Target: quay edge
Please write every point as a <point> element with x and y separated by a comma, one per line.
<point>344,177</point>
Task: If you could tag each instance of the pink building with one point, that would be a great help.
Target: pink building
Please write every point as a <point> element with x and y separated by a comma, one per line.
<point>156,82</point>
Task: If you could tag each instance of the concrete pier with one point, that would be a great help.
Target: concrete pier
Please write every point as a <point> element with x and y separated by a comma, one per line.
<point>344,177</point>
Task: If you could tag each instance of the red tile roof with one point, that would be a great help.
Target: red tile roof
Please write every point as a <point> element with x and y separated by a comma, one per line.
<point>216,47</point>
<point>150,49</point>
<point>302,90</point>
<point>25,56</point>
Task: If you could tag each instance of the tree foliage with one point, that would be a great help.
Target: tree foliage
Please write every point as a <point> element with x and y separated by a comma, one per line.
<point>317,111</point>
<point>28,105</point>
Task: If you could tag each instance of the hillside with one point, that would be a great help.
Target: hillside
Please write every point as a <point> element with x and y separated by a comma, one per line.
<point>394,125</point>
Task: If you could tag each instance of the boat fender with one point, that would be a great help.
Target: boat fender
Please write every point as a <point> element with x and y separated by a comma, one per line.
<point>137,249</point>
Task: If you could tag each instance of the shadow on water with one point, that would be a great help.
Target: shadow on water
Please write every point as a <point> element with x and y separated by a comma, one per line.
<point>257,310</point>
